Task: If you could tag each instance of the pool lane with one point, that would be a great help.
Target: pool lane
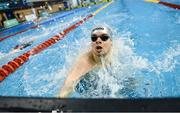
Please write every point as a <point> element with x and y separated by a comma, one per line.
<point>148,33</point>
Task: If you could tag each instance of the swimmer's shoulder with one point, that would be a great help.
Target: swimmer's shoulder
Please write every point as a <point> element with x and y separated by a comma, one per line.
<point>84,57</point>
<point>84,61</point>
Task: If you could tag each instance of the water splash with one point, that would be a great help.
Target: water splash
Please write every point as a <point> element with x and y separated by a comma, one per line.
<point>167,61</point>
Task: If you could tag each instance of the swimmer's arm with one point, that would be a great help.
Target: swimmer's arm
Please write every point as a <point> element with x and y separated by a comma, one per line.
<point>69,84</point>
<point>72,78</point>
<point>66,89</point>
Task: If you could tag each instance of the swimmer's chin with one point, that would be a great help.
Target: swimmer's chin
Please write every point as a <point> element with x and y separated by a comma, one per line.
<point>100,53</point>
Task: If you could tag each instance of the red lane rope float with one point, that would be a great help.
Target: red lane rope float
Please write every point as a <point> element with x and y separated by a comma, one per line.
<point>175,6</point>
<point>33,27</point>
<point>13,65</point>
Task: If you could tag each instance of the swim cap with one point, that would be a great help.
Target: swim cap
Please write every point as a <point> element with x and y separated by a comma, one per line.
<point>102,28</point>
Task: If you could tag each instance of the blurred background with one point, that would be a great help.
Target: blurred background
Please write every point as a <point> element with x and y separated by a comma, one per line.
<point>13,12</point>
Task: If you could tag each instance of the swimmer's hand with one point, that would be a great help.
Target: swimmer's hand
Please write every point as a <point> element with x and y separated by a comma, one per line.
<point>65,91</point>
<point>153,1</point>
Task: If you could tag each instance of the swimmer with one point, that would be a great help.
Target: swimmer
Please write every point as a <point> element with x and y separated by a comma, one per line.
<point>175,6</point>
<point>16,49</point>
<point>101,46</point>
<point>22,46</point>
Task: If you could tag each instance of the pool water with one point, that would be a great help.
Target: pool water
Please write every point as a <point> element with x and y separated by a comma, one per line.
<point>146,38</point>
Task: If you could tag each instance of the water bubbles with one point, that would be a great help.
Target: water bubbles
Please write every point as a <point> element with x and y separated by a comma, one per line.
<point>43,28</point>
<point>62,21</point>
<point>55,20</point>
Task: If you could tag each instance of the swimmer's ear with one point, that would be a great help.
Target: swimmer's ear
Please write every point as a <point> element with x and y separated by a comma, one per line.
<point>111,39</point>
<point>153,1</point>
<point>111,42</point>
<point>91,43</point>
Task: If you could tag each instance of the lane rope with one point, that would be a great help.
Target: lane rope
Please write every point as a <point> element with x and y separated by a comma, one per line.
<point>175,6</point>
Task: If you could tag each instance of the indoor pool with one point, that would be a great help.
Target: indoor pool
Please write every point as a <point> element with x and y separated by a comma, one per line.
<point>145,35</point>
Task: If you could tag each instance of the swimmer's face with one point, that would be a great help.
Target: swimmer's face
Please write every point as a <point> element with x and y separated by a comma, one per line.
<point>101,42</point>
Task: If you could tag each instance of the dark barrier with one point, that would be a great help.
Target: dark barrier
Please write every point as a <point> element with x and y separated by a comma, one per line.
<point>88,105</point>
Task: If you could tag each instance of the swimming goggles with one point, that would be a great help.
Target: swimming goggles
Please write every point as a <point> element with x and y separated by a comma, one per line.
<point>103,37</point>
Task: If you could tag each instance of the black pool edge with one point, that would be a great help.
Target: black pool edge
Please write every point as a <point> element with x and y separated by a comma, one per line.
<point>26,104</point>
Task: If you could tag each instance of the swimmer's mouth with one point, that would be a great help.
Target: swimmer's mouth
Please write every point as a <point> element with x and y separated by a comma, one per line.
<point>98,47</point>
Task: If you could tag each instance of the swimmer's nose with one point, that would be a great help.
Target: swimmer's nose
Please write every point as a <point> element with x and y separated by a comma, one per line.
<point>98,41</point>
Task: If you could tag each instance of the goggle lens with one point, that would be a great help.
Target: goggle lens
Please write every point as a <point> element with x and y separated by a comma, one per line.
<point>102,37</point>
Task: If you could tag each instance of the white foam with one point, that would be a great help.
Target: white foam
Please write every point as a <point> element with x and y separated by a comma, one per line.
<point>167,62</point>
<point>5,56</point>
<point>1,55</point>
